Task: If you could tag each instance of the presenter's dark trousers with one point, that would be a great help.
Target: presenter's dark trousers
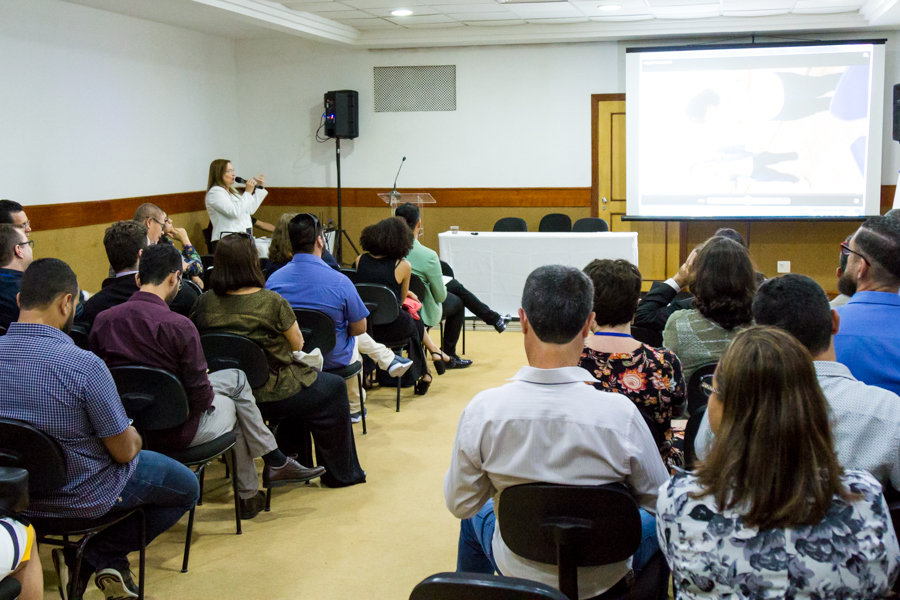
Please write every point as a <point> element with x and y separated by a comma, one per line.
<point>454,311</point>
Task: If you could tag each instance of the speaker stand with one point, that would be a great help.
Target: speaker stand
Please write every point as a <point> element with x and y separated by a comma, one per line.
<point>340,233</point>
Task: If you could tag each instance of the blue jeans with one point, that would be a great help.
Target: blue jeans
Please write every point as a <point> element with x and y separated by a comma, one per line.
<point>165,489</point>
<point>475,554</point>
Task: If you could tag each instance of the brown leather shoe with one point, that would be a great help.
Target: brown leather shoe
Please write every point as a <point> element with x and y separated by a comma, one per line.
<point>290,472</point>
<point>251,506</point>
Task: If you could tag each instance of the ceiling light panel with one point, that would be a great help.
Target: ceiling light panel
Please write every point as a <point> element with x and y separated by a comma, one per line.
<point>622,18</point>
<point>592,9</point>
<point>453,9</point>
<point>758,4</point>
<point>421,20</point>
<point>654,4</point>
<point>417,11</point>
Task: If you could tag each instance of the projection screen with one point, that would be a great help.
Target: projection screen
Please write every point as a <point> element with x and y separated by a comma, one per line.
<point>755,131</point>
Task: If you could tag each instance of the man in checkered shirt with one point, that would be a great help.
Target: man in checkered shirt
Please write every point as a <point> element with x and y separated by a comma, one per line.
<point>69,394</point>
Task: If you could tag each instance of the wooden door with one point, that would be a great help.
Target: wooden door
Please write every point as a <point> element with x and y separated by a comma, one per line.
<point>658,242</point>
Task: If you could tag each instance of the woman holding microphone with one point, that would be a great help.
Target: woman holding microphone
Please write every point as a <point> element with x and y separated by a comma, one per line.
<point>229,211</point>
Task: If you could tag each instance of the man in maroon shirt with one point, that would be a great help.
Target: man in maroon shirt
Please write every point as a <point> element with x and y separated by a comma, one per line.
<point>143,331</point>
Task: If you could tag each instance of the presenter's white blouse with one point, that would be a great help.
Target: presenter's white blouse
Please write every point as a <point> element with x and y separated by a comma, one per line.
<point>230,213</point>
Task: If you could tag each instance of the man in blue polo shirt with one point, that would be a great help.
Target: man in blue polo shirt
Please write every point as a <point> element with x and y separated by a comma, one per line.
<point>869,339</point>
<point>307,282</point>
<point>15,256</point>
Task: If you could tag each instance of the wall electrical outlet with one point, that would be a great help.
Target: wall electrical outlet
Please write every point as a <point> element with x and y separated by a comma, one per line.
<point>784,266</point>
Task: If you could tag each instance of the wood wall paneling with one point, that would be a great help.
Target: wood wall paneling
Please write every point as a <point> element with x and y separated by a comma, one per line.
<point>618,156</point>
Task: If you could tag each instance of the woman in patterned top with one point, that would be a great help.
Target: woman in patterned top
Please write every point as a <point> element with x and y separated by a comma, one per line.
<point>770,513</point>
<point>723,282</point>
<point>650,377</point>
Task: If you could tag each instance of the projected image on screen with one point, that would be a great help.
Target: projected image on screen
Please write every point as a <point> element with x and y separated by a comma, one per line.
<point>752,132</point>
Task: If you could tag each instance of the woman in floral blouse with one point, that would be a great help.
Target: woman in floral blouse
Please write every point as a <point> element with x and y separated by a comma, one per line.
<point>650,377</point>
<point>770,513</point>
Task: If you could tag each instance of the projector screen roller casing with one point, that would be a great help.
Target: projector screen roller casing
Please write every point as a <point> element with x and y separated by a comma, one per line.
<point>755,131</point>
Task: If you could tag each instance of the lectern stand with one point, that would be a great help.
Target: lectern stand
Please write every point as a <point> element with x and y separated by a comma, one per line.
<point>395,199</point>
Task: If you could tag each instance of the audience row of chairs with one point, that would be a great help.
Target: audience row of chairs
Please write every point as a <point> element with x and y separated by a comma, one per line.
<point>554,223</point>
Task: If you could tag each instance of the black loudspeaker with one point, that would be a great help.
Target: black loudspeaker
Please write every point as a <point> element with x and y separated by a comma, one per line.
<point>342,114</point>
<point>897,112</point>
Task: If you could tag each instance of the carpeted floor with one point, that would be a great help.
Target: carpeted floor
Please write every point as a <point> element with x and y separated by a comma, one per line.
<point>371,541</point>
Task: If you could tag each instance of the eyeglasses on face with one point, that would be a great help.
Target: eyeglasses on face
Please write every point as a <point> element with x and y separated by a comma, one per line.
<point>161,223</point>
<point>25,225</point>
<point>28,243</point>
<point>846,251</point>
<point>708,388</point>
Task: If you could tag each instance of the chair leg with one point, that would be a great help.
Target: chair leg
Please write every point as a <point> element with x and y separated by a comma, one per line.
<point>76,573</point>
<point>464,335</point>
<point>362,402</point>
<point>237,498</point>
<point>187,541</point>
<point>398,394</point>
<point>201,472</point>
<point>269,499</point>
<point>143,556</point>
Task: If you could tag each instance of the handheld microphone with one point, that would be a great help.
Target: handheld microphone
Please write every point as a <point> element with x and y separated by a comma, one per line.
<point>395,193</point>
<point>242,180</point>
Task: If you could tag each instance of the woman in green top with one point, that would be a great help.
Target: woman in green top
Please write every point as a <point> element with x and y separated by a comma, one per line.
<point>723,284</point>
<point>294,393</point>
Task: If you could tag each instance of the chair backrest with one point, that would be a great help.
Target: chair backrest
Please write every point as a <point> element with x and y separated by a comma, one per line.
<point>475,586</point>
<point>29,448</point>
<point>696,395</point>
<point>651,337</point>
<point>79,334</point>
<point>590,225</point>
<point>154,398</point>
<point>207,260</point>
<point>2,330</point>
<point>511,224</point>
<point>446,269</point>
<point>556,222</point>
<point>13,489</point>
<point>317,329</point>
<point>230,351</point>
<point>417,287</point>
<point>10,588</point>
<point>350,273</point>
<point>600,524</point>
<point>690,434</point>
<point>381,302</point>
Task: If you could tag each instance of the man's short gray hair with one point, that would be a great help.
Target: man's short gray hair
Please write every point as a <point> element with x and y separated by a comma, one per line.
<point>557,301</point>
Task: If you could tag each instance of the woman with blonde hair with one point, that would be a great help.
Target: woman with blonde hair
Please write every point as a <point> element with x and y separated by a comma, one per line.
<point>770,513</point>
<point>230,211</point>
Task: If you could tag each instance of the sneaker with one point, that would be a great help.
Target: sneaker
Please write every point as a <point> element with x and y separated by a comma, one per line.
<point>398,367</point>
<point>116,585</point>
<point>357,416</point>
<point>63,558</point>
<point>500,325</point>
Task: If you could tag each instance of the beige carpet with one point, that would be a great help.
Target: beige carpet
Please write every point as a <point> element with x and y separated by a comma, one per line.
<point>371,541</point>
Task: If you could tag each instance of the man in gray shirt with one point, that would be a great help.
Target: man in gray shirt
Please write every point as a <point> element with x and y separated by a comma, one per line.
<point>865,419</point>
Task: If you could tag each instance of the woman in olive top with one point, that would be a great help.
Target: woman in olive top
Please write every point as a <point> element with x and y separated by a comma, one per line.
<point>294,393</point>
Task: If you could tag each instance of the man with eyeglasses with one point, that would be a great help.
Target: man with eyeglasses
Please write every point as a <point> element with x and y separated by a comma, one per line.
<point>143,331</point>
<point>15,255</point>
<point>869,339</point>
<point>14,214</point>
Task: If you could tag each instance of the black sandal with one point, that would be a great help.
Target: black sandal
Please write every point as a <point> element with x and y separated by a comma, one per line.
<point>422,386</point>
<point>439,365</point>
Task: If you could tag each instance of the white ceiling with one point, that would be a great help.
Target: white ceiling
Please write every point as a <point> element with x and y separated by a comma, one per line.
<point>369,23</point>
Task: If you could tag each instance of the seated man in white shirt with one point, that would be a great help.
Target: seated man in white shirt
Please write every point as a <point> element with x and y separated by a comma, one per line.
<point>510,436</point>
<point>865,419</point>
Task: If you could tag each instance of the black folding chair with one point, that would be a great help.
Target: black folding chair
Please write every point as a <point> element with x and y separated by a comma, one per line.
<point>156,400</point>
<point>207,260</point>
<point>2,330</point>
<point>318,332</point>
<point>384,309</point>
<point>26,447</point>
<point>696,395</point>
<point>590,225</point>
<point>447,271</point>
<point>231,351</point>
<point>555,223</point>
<point>651,337</point>
<point>350,273</point>
<point>578,526</point>
<point>475,586</point>
<point>79,334</point>
<point>690,436</point>
<point>10,589</point>
<point>511,224</point>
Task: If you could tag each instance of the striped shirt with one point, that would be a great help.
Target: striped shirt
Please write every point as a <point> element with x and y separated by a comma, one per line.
<point>549,426</point>
<point>68,393</point>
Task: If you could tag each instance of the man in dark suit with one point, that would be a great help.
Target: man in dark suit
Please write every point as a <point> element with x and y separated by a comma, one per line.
<point>659,303</point>
<point>124,242</point>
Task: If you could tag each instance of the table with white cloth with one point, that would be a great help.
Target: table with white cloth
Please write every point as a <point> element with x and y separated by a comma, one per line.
<point>494,265</point>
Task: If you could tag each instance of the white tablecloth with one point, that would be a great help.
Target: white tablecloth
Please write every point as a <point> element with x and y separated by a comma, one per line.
<point>494,265</point>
